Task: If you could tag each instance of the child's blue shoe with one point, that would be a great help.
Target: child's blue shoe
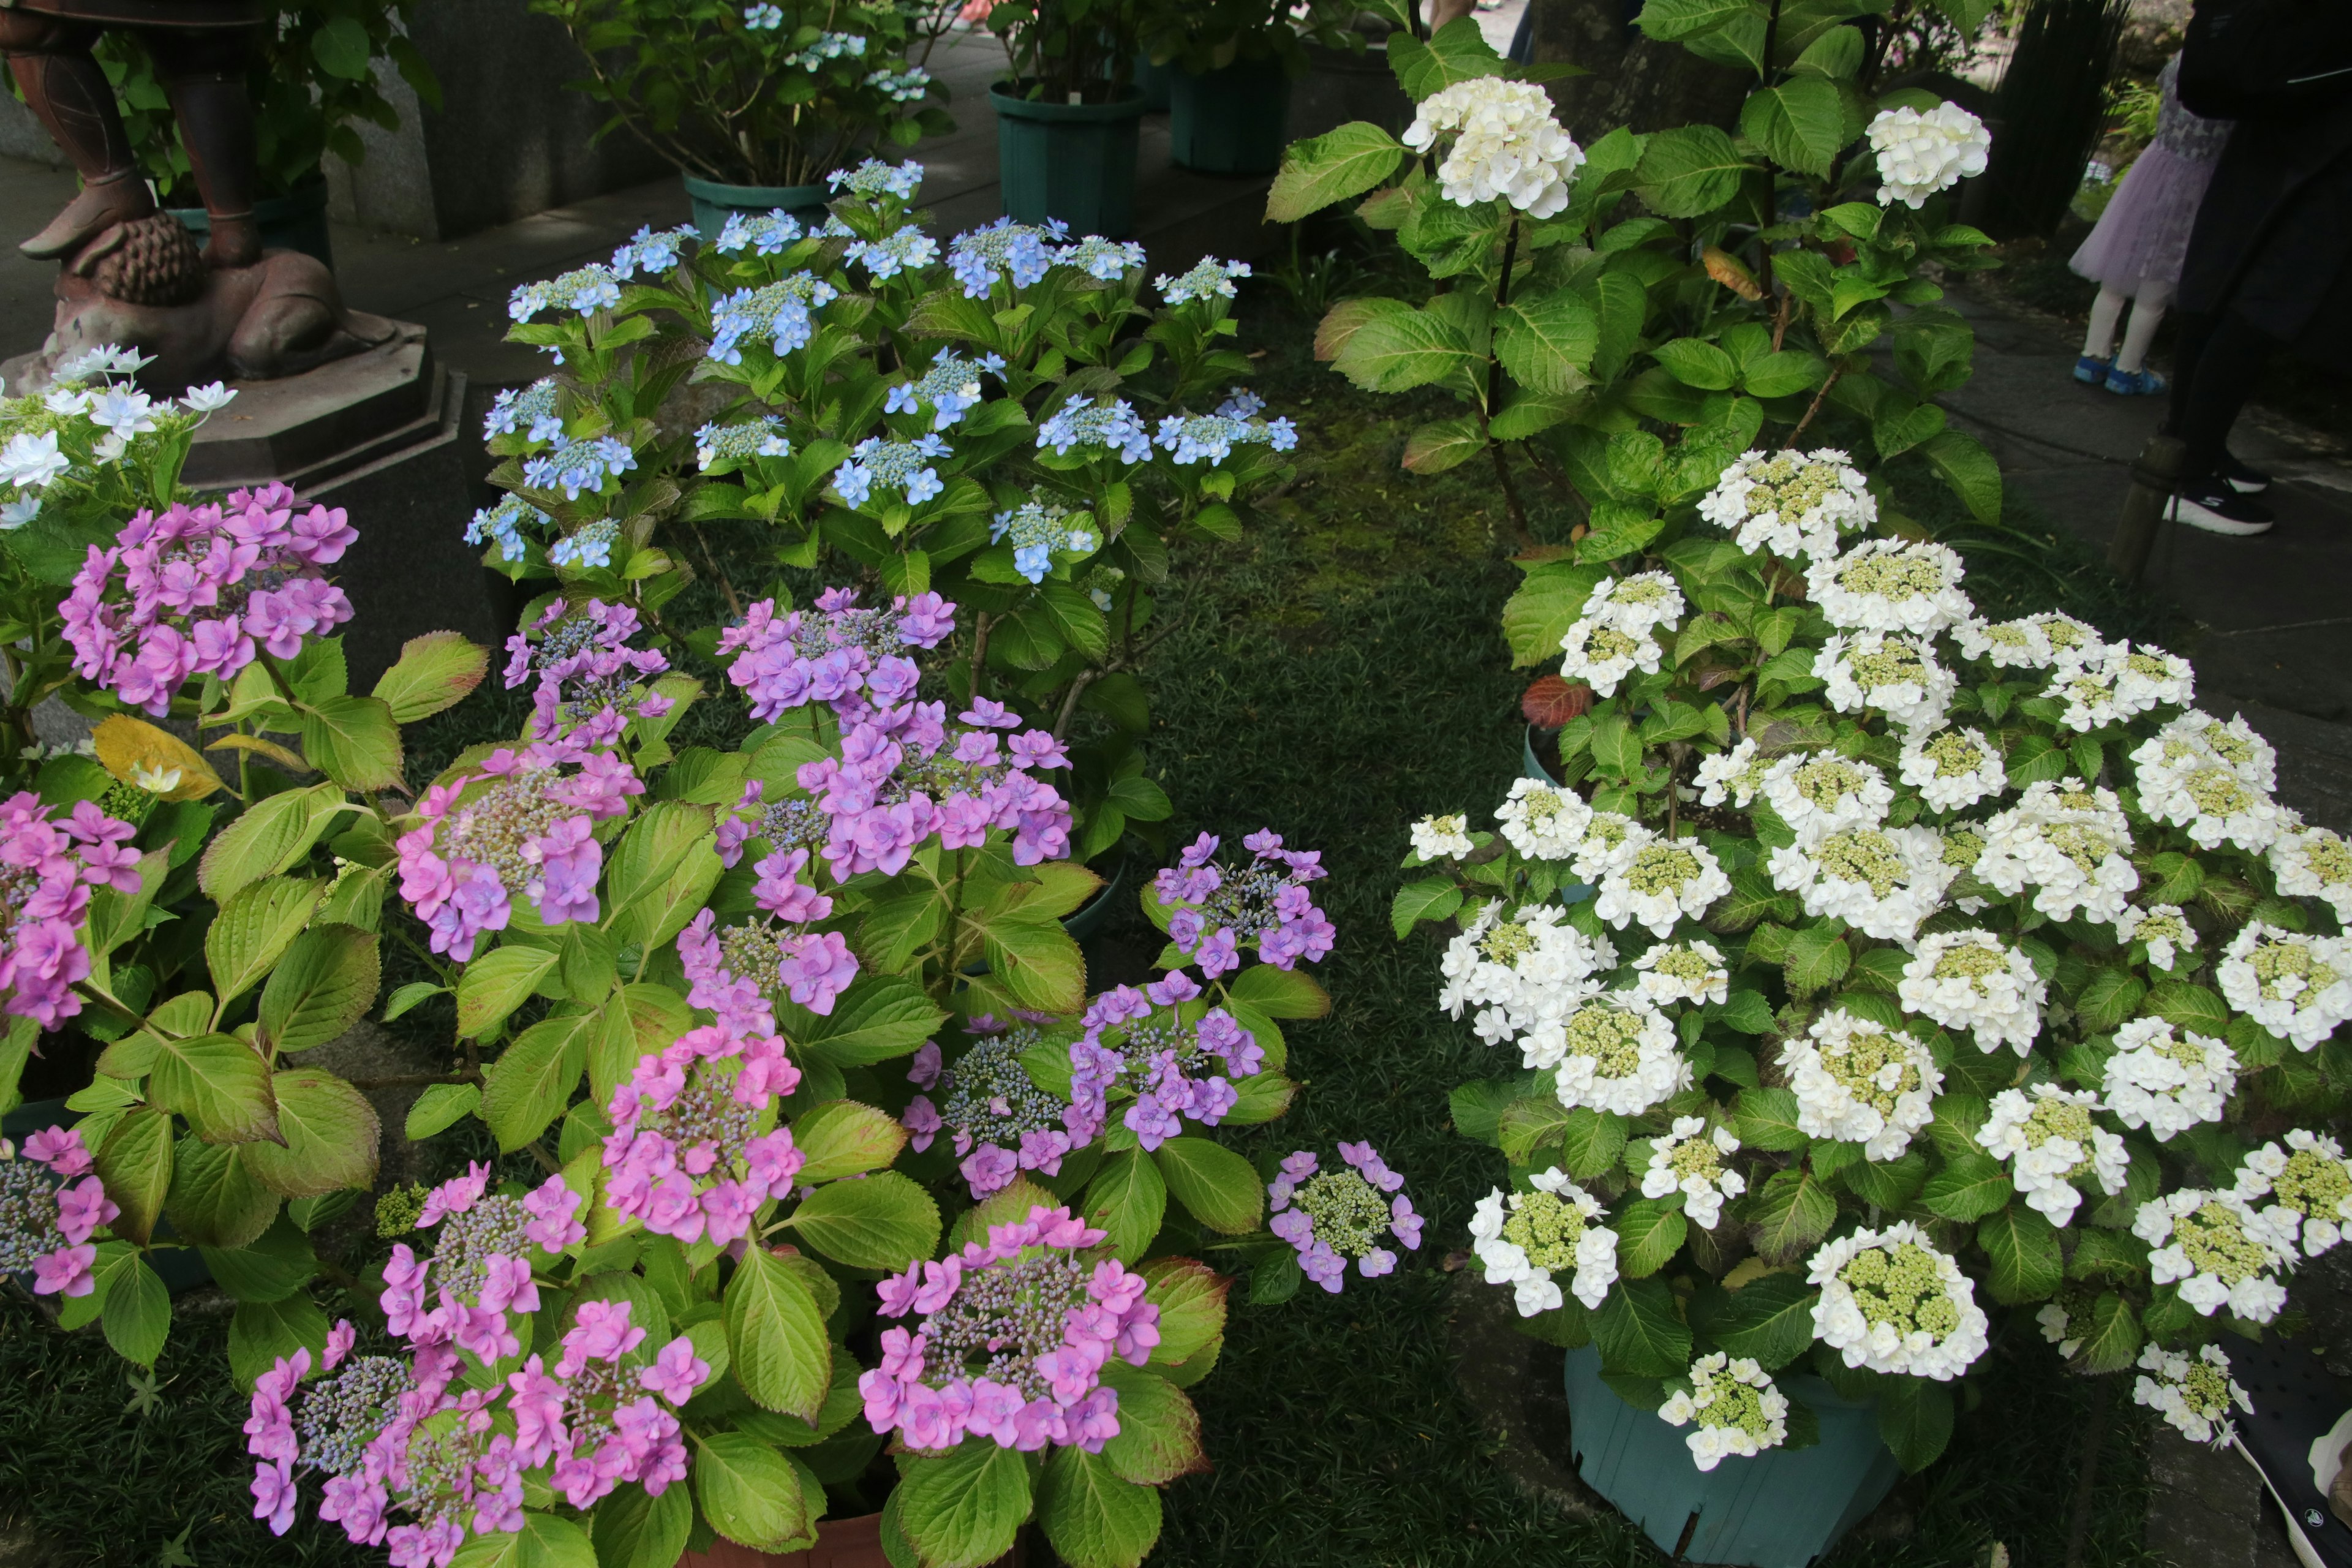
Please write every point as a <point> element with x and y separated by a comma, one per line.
<point>2135,383</point>
<point>2089,372</point>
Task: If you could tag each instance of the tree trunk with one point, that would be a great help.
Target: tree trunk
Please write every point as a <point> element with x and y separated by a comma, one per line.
<point>1635,82</point>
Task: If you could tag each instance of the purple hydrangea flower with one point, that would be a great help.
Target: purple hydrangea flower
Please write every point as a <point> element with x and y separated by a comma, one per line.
<point>1172,1060</point>
<point>588,676</point>
<point>1332,1216</point>
<point>1001,1121</point>
<point>904,775</point>
<point>847,658</point>
<point>1214,910</point>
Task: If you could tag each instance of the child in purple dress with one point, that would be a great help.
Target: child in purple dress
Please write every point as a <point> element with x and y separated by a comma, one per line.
<point>2136,251</point>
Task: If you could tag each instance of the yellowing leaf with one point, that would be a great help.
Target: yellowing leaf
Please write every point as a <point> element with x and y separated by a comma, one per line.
<point>126,745</point>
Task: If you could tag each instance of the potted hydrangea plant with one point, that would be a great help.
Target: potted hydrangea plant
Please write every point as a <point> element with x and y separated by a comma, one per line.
<point>754,103</point>
<point>1069,114</point>
<point>1229,93</point>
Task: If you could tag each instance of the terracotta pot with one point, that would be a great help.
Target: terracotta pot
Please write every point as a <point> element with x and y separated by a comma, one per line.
<point>840,1543</point>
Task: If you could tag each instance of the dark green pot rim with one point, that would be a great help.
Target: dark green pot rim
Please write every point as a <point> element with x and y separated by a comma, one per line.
<point>1011,107</point>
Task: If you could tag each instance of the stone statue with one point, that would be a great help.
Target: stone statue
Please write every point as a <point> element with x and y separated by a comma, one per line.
<point>131,275</point>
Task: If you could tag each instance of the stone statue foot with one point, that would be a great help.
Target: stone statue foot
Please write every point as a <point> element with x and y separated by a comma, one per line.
<point>233,242</point>
<point>99,208</point>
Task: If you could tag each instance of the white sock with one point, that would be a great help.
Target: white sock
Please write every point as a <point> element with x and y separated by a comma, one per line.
<point>2147,313</point>
<point>2105,311</point>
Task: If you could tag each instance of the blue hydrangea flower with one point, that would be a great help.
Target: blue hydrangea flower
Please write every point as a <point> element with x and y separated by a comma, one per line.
<point>736,444</point>
<point>783,312</point>
<point>591,546</point>
<point>873,178</point>
<point>901,87</point>
<point>1018,250</point>
<point>766,235</point>
<point>906,251</point>
<point>585,289</point>
<point>503,525</point>
<point>763,19</point>
<point>652,253</point>
<point>1195,436</point>
<point>902,465</point>
<point>1108,260</point>
<point>1109,424</point>
<point>1240,402</point>
<point>532,410</point>
<point>1210,279</point>
<point>828,47</point>
<point>1039,530</point>
<point>950,388</point>
<point>578,466</point>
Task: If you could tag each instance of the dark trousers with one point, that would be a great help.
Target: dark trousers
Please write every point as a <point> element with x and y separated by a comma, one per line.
<point>2216,365</point>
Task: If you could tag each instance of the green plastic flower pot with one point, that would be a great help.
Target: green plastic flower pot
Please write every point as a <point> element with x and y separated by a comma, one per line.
<point>1232,120</point>
<point>1089,918</point>
<point>1783,1508</point>
<point>1075,161</point>
<point>713,202</point>
<point>1152,81</point>
<point>294,222</point>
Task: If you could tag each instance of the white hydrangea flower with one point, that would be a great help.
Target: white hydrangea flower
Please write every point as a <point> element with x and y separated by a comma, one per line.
<point>1524,1239</point>
<point>1657,882</point>
<point>1920,154</point>
<point>1952,769</point>
<point>2204,795</point>
<point>2217,1250</point>
<point>1883,880</point>
<point>2195,1394</point>
<point>1734,775</point>
<point>1690,971</point>
<point>1525,976</point>
<point>2051,1142</point>
<point>1607,836</point>
<point>1963,847</point>
<point>2118,682</point>
<point>1507,145</point>
<point>2166,1082</point>
<point>1542,821</point>
<point>1636,604</point>
<point>1968,980</point>
<point>2058,1327</point>
<point>1601,656</point>
<point>2147,678</point>
<point>2004,645</point>
<point>2298,987</point>
<point>1892,1302</point>
<point>1892,672</point>
<point>1617,1054</point>
<point>1819,795</point>
<point>2164,928</point>
<point>1890,586</point>
<point>1861,1082</point>
<point>1689,1161</point>
<point>1735,1406</point>
<point>2309,1183</point>
<point>2314,863</point>
<point>2071,641</point>
<point>1435,837</point>
<point>2068,842</point>
<point>2233,740</point>
<point>1790,503</point>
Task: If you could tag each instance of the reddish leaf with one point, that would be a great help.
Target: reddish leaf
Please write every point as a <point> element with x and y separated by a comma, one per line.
<point>1552,701</point>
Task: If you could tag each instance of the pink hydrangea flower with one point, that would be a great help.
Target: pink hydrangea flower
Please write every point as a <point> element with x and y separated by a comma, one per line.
<point>49,1210</point>
<point>1214,910</point>
<point>1330,1217</point>
<point>48,864</point>
<point>847,658</point>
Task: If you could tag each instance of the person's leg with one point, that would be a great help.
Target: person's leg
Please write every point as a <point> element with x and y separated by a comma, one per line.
<point>2229,364</point>
<point>2099,343</point>
<point>203,72</point>
<point>67,90</point>
<point>2147,311</point>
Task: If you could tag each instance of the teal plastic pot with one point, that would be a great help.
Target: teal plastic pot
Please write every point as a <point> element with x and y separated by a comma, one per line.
<point>1075,161</point>
<point>1232,120</point>
<point>294,222</point>
<point>713,202</point>
<point>1781,1508</point>
<point>1152,81</point>
<point>1090,917</point>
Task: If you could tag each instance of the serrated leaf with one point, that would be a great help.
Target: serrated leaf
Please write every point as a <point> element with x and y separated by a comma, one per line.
<point>1095,1517</point>
<point>1217,1186</point>
<point>1332,167</point>
<point>219,1083</point>
<point>1650,1231</point>
<point>532,1080</point>
<point>497,983</point>
<point>1967,1188</point>
<point>434,671</point>
<point>882,1221</point>
<point>775,1336</point>
<point>324,985</point>
<point>253,930</point>
<point>2027,1265</point>
<point>1637,1331</point>
<point>440,1106</point>
<point>1788,1218</point>
<point>1770,1318</point>
<point>961,1509</point>
<point>330,1137</point>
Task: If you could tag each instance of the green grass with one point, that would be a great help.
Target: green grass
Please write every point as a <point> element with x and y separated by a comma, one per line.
<point>1339,673</point>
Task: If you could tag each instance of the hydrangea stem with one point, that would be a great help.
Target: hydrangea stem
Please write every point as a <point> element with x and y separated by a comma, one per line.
<point>1522,535</point>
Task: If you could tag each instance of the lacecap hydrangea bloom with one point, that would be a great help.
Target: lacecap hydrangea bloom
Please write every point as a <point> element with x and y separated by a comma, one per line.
<point>1531,1240</point>
<point>2314,863</point>
<point>1209,278</point>
<point>2195,1394</point>
<point>1542,821</point>
<point>949,387</point>
<point>1178,1062</point>
<point>1601,656</point>
<point>2298,987</point>
<point>200,590</point>
<point>529,412</point>
<point>1112,426</point>
<point>724,448</point>
<point>1213,911</point>
<point>851,659</point>
<point>589,680</point>
<point>905,467</point>
<point>50,862</point>
<point>1890,586</point>
<point>1733,1408</point>
<point>1921,152</point>
<point>875,178</point>
<point>774,950</point>
<point>1736,776</point>
<point>1435,837</point>
<point>783,312</point>
<point>51,1204</point>
<point>903,776</point>
<point>1656,882</point>
<point>1893,672</point>
<point>2166,1081</point>
<point>1858,1081</point>
<point>2121,683</point>
<point>1525,976</point>
<point>763,234</point>
<point>476,1290</point>
<point>2309,1186</point>
<point>2162,930</point>
<point>1882,880</point>
<point>1332,1216</point>
<point>2053,1147</point>
<point>1817,796</point>
<point>1019,254</point>
<point>1190,439</point>
<point>1691,971</point>
<point>1892,1302</point>
<point>1039,532</point>
<point>1970,980</point>
<point>1789,504</point>
<point>2070,844</point>
<point>1010,1340</point>
<point>999,1121</point>
<point>1506,144</point>
<point>1952,769</point>
<point>2219,1251</point>
<point>1617,1053</point>
<point>1690,1161</point>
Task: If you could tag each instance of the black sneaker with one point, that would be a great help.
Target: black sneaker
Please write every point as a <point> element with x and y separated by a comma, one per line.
<point>2246,481</point>
<point>2297,1429</point>
<point>2210,504</point>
